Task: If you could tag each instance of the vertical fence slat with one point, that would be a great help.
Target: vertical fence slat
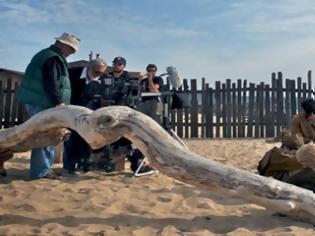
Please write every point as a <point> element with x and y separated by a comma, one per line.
<point>244,107</point>
<point>273,103</point>
<point>279,104</point>
<point>228,110</point>
<point>287,103</point>
<point>304,91</point>
<point>203,108</point>
<point>186,111</point>
<point>256,111</point>
<point>268,116</point>
<point>250,113</point>
<point>209,112</point>
<point>8,105</point>
<point>224,110</point>
<point>293,98</point>
<point>179,120</point>
<point>299,93</point>
<point>1,103</point>
<point>194,109</point>
<point>234,110</point>
<point>261,111</point>
<point>218,108</point>
<point>14,113</point>
<point>239,108</point>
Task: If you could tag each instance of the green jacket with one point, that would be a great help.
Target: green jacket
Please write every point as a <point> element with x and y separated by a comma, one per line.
<point>31,89</point>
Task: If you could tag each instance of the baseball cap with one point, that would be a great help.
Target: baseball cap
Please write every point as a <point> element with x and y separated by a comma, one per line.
<point>120,60</point>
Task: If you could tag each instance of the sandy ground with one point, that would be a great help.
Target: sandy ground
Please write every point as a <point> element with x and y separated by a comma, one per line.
<point>96,203</point>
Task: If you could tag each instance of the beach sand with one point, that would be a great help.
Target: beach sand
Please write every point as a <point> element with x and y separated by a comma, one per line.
<point>96,203</point>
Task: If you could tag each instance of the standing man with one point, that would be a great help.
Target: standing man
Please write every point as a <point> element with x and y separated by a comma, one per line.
<point>151,105</point>
<point>45,85</point>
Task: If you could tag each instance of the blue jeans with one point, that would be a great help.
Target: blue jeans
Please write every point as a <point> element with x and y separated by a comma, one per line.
<point>42,159</point>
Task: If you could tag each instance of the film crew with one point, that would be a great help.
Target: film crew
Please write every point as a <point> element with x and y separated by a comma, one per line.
<point>115,88</point>
<point>76,150</point>
<point>45,85</point>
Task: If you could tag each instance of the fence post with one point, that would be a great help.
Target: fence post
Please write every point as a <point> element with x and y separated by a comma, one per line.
<point>194,110</point>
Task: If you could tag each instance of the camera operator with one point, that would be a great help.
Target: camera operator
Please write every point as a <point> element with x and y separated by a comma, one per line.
<point>76,150</point>
<point>119,64</point>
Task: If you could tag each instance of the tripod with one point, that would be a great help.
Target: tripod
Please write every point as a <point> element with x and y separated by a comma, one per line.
<point>165,124</point>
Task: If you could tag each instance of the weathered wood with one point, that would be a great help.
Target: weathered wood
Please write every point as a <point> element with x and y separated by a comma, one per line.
<point>208,112</point>
<point>239,108</point>
<point>107,125</point>
<point>187,111</point>
<point>218,112</point>
<point>268,115</point>
<point>244,114</point>
<point>8,105</point>
<point>256,111</point>
<point>251,99</point>
<point>1,103</point>
<point>179,120</point>
<point>224,118</point>
<point>299,93</point>
<point>293,98</point>
<point>280,113</point>
<point>14,112</point>
<point>304,91</point>
<point>287,103</point>
<point>234,110</point>
<point>203,108</point>
<point>273,103</point>
<point>228,112</point>
<point>261,111</point>
<point>194,110</point>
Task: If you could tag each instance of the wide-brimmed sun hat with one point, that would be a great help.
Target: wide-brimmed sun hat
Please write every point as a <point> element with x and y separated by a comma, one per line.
<point>70,40</point>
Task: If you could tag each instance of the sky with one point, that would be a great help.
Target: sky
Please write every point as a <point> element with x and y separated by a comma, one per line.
<point>214,39</point>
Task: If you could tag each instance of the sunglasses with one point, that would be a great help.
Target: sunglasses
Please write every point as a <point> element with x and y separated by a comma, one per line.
<point>98,72</point>
<point>151,70</point>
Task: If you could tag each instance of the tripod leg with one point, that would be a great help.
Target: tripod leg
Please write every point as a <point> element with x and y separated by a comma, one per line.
<point>175,136</point>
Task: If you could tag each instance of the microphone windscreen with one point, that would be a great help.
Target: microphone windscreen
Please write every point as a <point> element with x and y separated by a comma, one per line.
<point>174,77</point>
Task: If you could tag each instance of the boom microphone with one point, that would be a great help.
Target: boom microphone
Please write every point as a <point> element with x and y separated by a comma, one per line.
<point>173,77</point>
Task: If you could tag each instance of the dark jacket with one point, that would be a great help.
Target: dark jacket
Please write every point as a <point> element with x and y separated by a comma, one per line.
<point>33,89</point>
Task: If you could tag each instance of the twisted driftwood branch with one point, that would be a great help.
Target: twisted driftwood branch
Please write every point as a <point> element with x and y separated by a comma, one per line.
<point>107,125</point>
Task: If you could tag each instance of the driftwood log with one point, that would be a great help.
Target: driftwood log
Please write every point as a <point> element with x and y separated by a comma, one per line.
<point>107,125</point>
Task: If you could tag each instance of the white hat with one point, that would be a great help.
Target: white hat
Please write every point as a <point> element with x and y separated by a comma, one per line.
<point>70,40</point>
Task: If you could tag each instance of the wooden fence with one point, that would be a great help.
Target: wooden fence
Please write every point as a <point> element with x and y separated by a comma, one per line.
<point>11,111</point>
<point>241,109</point>
<point>229,110</point>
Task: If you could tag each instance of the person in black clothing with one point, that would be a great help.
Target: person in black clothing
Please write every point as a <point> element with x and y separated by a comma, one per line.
<point>151,105</point>
<point>76,150</point>
<point>106,92</point>
<point>119,64</point>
